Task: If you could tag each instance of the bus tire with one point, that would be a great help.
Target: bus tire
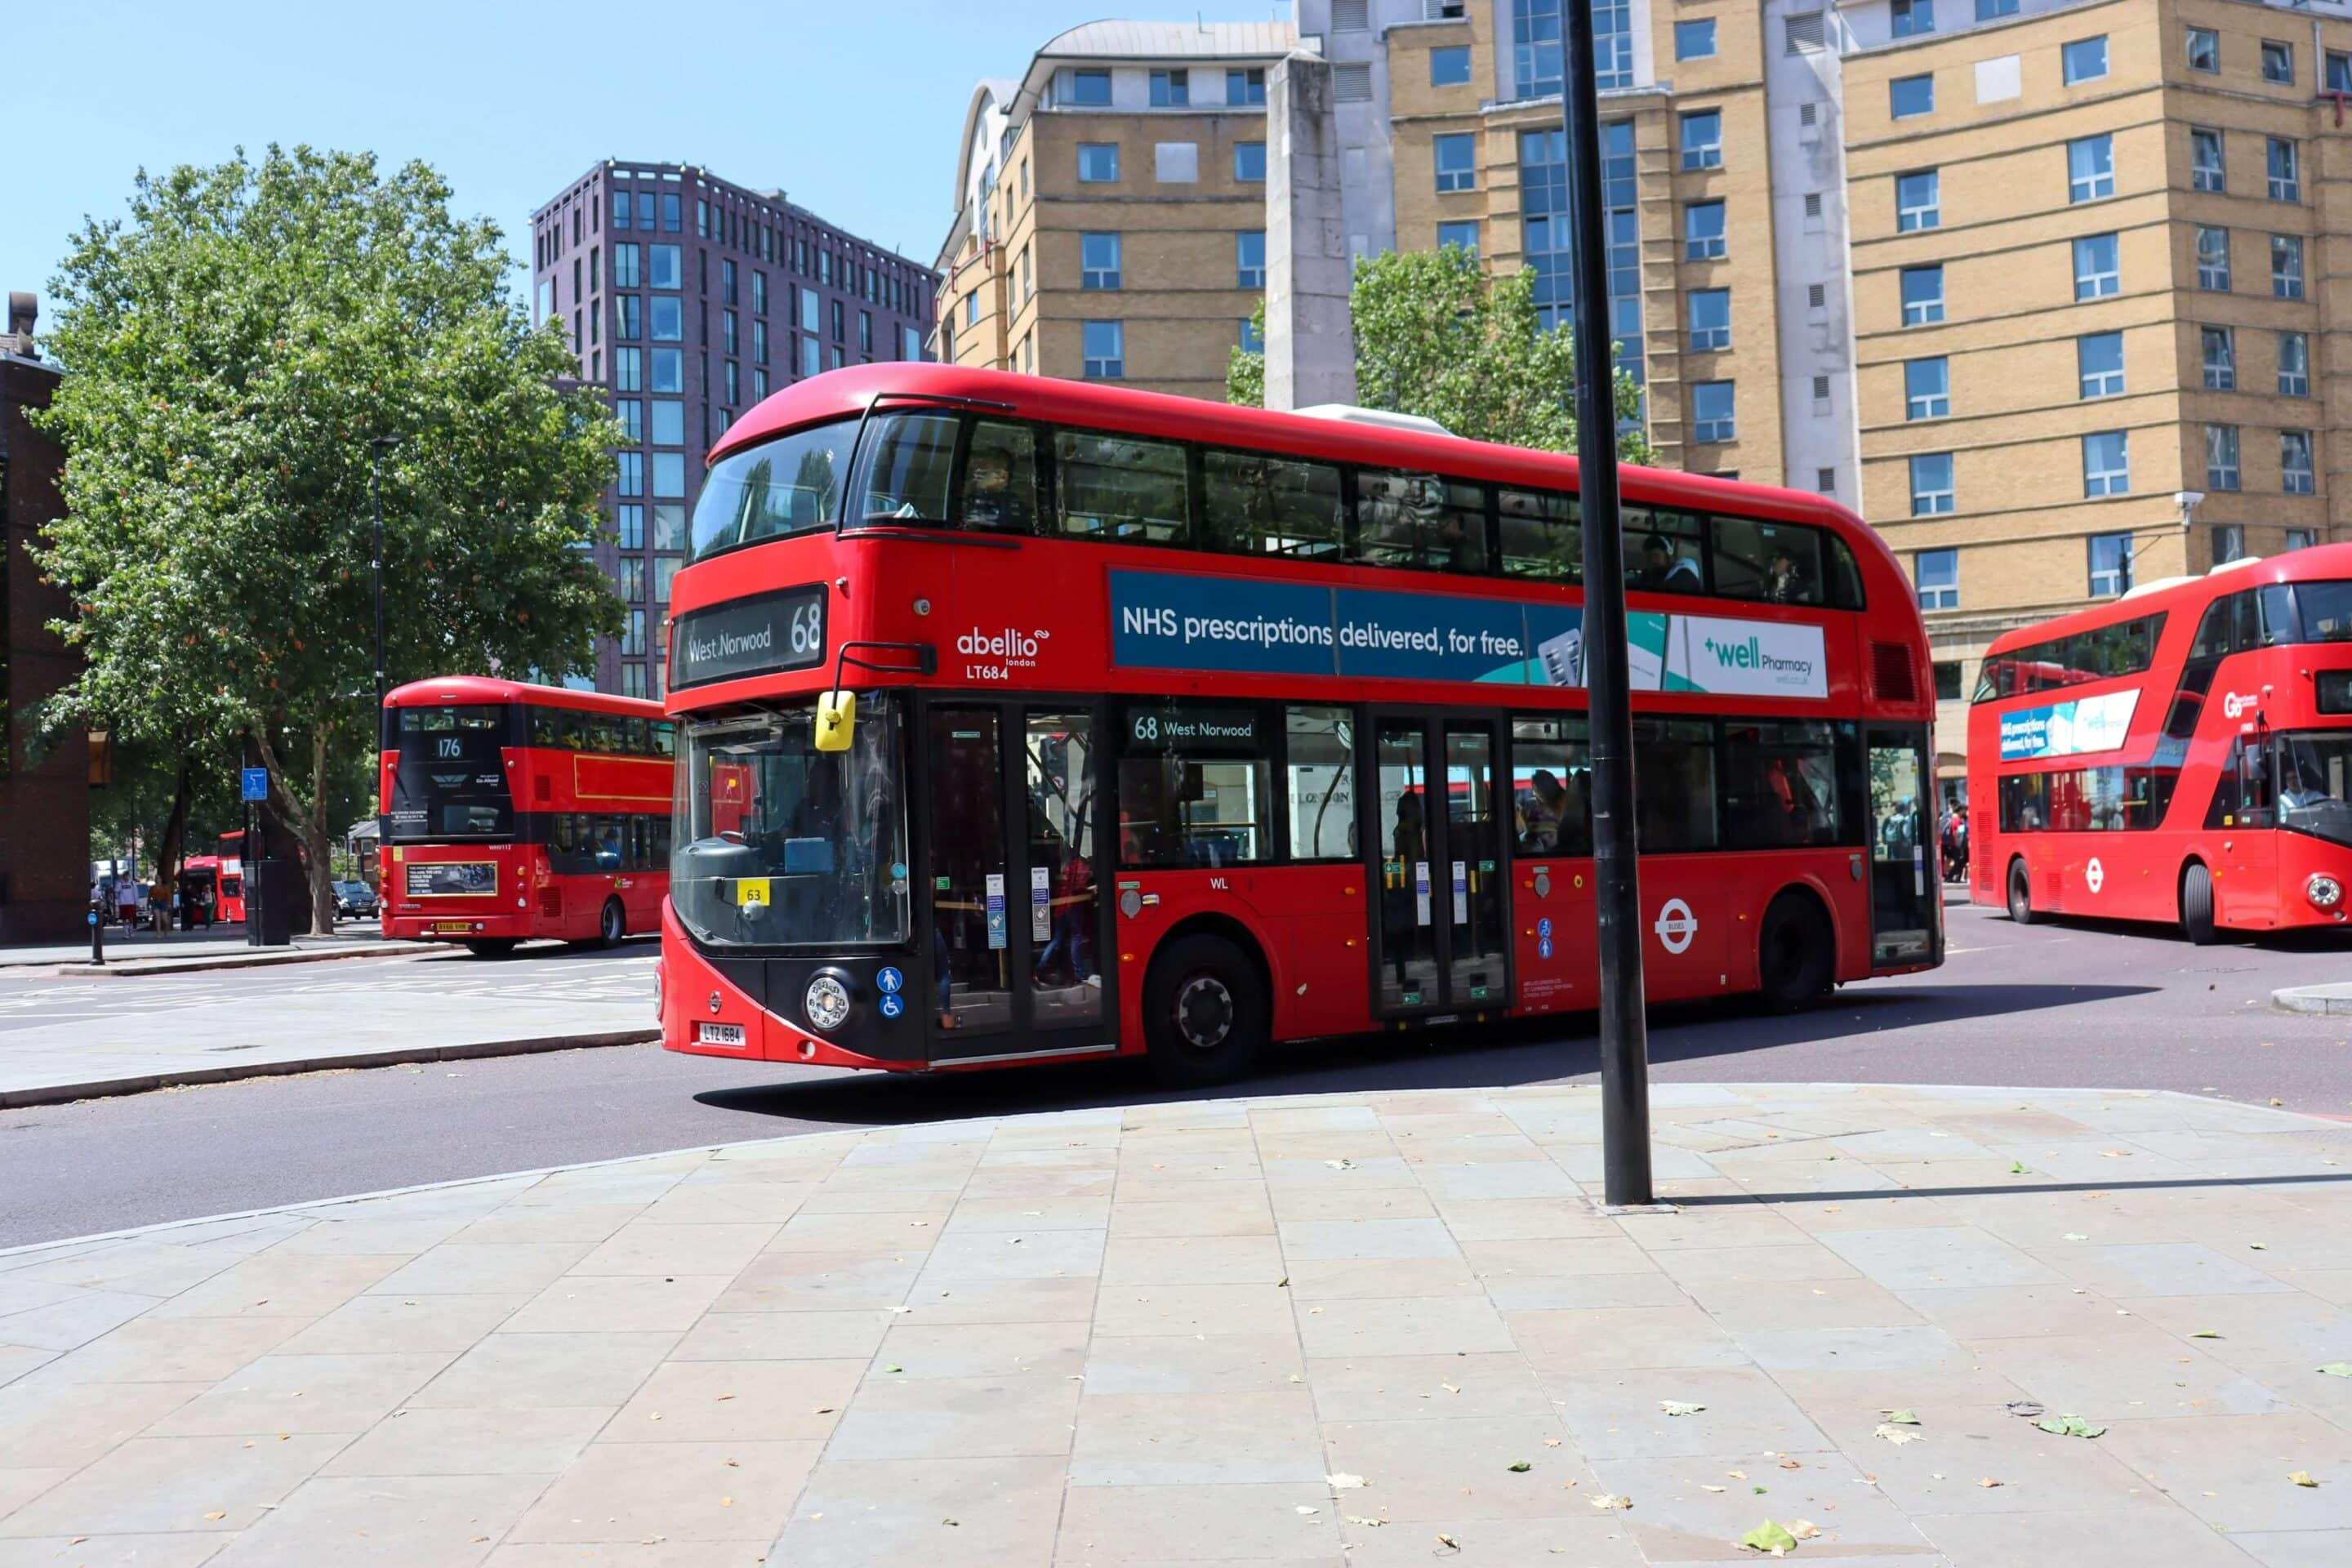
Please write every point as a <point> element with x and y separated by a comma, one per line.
<point>1204,1012</point>
<point>611,924</point>
<point>2197,904</point>
<point>491,946</point>
<point>2020,894</point>
<point>1796,956</point>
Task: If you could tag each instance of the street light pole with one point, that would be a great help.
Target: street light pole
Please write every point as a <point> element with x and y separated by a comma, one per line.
<point>1624,1029</point>
<point>378,447</point>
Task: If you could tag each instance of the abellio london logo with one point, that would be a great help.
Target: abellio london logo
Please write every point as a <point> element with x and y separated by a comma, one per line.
<point>996,654</point>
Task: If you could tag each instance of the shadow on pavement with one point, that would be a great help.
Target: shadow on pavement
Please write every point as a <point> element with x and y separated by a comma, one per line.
<point>1525,1051</point>
<point>1722,1200</point>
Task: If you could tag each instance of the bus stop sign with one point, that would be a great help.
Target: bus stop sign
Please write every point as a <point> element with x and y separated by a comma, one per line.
<point>256,781</point>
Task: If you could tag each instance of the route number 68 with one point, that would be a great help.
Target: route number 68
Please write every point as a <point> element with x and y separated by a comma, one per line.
<point>808,628</point>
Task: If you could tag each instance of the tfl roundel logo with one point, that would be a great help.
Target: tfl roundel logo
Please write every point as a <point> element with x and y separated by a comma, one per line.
<point>1675,926</point>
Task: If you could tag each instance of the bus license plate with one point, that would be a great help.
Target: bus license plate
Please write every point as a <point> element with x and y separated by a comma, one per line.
<point>719,1034</point>
<point>454,928</point>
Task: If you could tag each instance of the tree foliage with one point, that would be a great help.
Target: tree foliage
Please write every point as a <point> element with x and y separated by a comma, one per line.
<point>232,349</point>
<point>1435,336</point>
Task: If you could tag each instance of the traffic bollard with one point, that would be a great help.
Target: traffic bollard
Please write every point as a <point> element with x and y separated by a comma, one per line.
<point>97,939</point>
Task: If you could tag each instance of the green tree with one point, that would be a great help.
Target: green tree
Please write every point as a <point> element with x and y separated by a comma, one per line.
<point>1435,336</point>
<point>232,350</point>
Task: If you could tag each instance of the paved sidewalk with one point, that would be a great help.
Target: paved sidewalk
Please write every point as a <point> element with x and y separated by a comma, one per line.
<point>1362,1330</point>
<point>146,953</point>
<point>2333,999</point>
<point>437,1006</point>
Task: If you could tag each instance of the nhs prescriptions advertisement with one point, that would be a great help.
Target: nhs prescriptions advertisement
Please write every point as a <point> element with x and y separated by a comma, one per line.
<point>2068,729</point>
<point>1163,620</point>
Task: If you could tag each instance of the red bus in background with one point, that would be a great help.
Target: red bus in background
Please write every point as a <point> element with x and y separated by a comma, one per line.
<point>2197,767</point>
<point>231,864</point>
<point>1184,727</point>
<point>512,810</point>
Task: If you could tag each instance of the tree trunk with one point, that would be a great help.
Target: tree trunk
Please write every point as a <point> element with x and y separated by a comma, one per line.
<point>316,847</point>
<point>167,858</point>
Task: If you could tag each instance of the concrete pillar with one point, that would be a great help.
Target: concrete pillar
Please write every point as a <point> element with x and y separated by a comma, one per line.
<point>1311,355</point>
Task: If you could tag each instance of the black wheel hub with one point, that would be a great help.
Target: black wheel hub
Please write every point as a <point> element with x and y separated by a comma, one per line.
<point>1204,1012</point>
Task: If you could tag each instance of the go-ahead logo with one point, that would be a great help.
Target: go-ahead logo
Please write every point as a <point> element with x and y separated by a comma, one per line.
<point>1677,926</point>
<point>2237,704</point>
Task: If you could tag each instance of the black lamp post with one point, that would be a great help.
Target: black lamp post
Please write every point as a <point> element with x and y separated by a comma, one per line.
<point>378,447</point>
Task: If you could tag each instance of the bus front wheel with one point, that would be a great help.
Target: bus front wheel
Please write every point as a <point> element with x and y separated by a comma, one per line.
<point>1796,961</point>
<point>2197,904</point>
<point>2020,894</point>
<point>1204,1013</point>
<point>491,946</point>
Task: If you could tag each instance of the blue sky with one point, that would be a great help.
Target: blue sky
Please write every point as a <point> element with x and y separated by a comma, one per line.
<point>853,109</point>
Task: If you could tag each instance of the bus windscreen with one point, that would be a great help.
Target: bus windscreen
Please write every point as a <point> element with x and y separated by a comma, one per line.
<point>450,781</point>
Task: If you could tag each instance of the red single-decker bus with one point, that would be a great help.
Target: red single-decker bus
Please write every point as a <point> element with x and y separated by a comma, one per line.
<point>2181,753</point>
<point>1183,728</point>
<point>512,810</point>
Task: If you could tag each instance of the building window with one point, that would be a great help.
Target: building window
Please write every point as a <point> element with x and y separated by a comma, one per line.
<point>2090,168</point>
<point>1702,140</point>
<point>2206,170</point>
<point>1927,388</point>
<point>1913,17</point>
<point>632,415</point>
<point>2340,72</point>
<point>1097,162</point>
<point>1171,90</point>
<point>668,371</point>
<point>668,422</point>
<point>758,383</point>
<point>1249,258</point>
<point>1923,296</point>
<point>1712,414</point>
<point>971,308</point>
<point>726,281</point>
<point>1937,575</point>
<point>1535,45</point>
<point>2294,365</point>
<point>1462,235</point>
<point>2111,565</point>
<point>1917,201</point>
<point>2286,266</point>
<point>1457,161</point>
<point>1245,86</point>
<point>1449,67</point>
<point>758,293</point>
<point>2085,59</point>
<point>1090,89</point>
<point>2221,458</point>
<point>629,317</point>
<point>1253,342</point>
<point>1703,231</point>
<point>1931,484</point>
<point>2229,543</point>
<point>628,370</point>
<point>631,479</point>
<point>670,528</point>
<point>665,314</point>
<point>633,640</point>
<point>1545,244</point>
<point>2287,180</point>
<point>1948,680</point>
<point>2278,63</point>
<point>2300,538</point>
<point>1106,349</point>
<point>1710,320</point>
<point>669,476</point>
<point>810,349</point>
<point>1994,10</point>
<point>2099,365</point>
<point>1249,161</point>
<point>1099,261</point>
<point>2097,272</point>
<point>2294,462</point>
<point>1694,40</point>
<point>2107,463</point>
<point>2212,259</point>
<point>2221,360</point>
<point>629,521</point>
<point>2204,49</point>
<point>620,209</point>
<point>673,212</point>
<point>759,341</point>
<point>1909,97</point>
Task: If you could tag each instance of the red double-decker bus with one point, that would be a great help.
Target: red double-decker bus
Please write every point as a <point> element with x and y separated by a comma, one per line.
<point>231,862</point>
<point>1182,728</point>
<point>512,810</point>
<point>2182,753</point>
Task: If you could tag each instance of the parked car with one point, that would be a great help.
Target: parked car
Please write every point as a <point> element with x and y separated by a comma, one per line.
<point>355,900</point>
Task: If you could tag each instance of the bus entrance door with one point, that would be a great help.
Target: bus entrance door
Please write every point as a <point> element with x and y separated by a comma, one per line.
<point>1905,886</point>
<point>1441,939</point>
<point>1009,810</point>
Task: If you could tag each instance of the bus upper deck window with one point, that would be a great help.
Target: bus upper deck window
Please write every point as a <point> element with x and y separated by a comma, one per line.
<point>1000,479</point>
<point>1661,551</point>
<point>1780,563</point>
<point>905,476</point>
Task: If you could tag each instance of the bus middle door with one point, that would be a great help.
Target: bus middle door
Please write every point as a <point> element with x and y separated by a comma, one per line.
<point>1441,938</point>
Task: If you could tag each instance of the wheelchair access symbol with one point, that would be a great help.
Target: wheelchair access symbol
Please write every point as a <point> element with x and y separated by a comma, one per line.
<point>892,1005</point>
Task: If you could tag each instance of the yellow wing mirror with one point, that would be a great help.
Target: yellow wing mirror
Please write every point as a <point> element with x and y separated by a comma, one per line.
<point>836,719</point>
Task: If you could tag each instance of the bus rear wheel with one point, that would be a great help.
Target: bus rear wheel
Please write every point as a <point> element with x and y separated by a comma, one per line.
<point>2020,894</point>
<point>1204,1012</point>
<point>2196,905</point>
<point>491,946</point>
<point>611,924</point>
<point>1796,959</point>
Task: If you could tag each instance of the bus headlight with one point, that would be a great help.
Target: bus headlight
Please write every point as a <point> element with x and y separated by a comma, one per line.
<point>826,1003</point>
<point>2324,891</point>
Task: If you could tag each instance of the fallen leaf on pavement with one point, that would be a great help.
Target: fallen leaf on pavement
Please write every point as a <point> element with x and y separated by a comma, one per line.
<point>1360,1518</point>
<point>1303,1509</point>
<point>1901,1417</point>
<point>1736,1475</point>
<point>1609,1501</point>
<point>1341,1164</point>
<point>2259,1245</point>
<point>1703,1486</point>
<point>2017,1168</point>
<point>1897,1435</point>
<point>1344,1482</point>
<point>1519,1466</point>
<point>1552,1442</point>
<point>1449,1388</point>
<point>1790,1465</point>
<point>2069,1426</point>
<point>2204,1334</point>
<point>1803,1528</point>
<point>2077,1236</point>
<point>217,1513</point>
<point>1988,1481</point>
<point>1678,1408</point>
<point>2302,1478</point>
<point>1449,1543</point>
<point>2338,1369</point>
<point>2276,1100</point>
<point>1769,1537</point>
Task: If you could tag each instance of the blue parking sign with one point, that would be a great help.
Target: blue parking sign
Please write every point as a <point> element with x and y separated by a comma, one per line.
<point>256,781</point>
<point>891,983</point>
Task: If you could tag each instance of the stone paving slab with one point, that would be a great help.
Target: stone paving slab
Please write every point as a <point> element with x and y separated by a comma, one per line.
<point>1366,1329</point>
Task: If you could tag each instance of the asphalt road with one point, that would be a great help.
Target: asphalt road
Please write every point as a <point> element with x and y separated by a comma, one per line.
<point>2072,1005</point>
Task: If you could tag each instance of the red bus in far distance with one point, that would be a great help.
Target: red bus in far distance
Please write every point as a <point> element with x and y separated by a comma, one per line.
<point>512,810</point>
<point>232,876</point>
<point>1182,728</point>
<point>2181,753</point>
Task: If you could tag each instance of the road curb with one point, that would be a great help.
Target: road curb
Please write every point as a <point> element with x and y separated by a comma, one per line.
<point>144,1083</point>
<point>2330,1000</point>
<point>126,969</point>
